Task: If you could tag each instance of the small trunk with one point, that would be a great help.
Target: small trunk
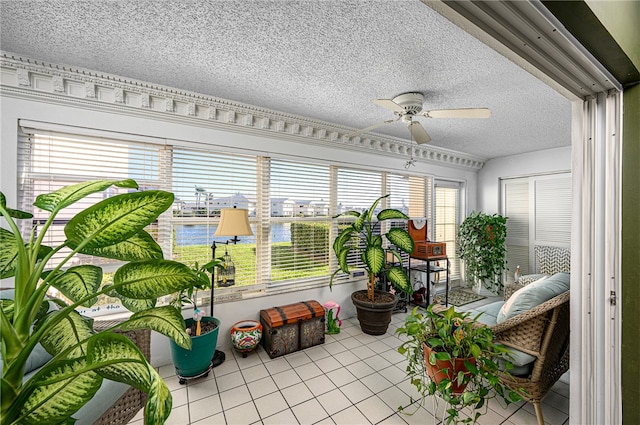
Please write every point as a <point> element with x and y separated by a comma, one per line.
<point>371,287</point>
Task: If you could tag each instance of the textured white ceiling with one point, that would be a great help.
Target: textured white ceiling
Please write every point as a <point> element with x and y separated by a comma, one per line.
<point>325,60</point>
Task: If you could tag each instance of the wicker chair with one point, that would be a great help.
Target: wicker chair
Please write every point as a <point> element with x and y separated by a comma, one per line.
<point>130,403</point>
<point>542,332</point>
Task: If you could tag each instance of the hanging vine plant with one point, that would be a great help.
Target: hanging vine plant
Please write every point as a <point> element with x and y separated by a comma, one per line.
<point>481,245</point>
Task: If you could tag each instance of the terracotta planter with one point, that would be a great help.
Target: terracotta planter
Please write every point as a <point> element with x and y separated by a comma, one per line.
<point>447,369</point>
<point>374,317</point>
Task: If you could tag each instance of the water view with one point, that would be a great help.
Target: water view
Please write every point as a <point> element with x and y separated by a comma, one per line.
<point>203,234</point>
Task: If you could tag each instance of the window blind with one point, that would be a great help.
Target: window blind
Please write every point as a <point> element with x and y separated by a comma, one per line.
<point>516,201</point>
<point>299,210</point>
<point>539,213</point>
<point>447,211</point>
<point>203,183</point>
<point>50,160</point>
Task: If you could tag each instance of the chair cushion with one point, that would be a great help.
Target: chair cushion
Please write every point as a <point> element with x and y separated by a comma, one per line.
<point>533,295</point>
<point>488,313</point>
<point>522,362</point>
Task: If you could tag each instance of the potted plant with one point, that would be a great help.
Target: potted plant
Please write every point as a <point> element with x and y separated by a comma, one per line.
<point>195,361</point>
<point>481,246</point>
<point>362,237</point>
<point>82,358</point>
<point>455,358</point>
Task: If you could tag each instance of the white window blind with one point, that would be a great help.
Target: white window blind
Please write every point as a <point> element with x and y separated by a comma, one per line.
<point>299,221</point>
<point>49,160</point>
<point>203,183</point>
<point>539,213</point>
<point>553,210</point>
<point>447,211</point>
<point>516,202</point>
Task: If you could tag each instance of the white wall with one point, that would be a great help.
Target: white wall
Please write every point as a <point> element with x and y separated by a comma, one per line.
<point>249,309</point>
<point>540,162</point>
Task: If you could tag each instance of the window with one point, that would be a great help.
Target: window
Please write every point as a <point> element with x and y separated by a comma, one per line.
<point>299,221</point>
<point>49,161</point>
<point>203,183</point>
<point>447,213</point>
<point>290,203</point>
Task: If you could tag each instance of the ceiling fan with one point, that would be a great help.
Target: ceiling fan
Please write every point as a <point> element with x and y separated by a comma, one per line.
<point>407,106</point>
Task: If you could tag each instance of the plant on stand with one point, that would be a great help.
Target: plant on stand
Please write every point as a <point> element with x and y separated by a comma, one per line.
<point>481,246</point>
<point>112,228</point>
<point>453,357</point>
<point>362,237</point>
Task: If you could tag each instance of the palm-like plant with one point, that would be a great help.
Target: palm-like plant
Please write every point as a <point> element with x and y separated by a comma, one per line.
<point>82,358</point>
<point>361,237</point>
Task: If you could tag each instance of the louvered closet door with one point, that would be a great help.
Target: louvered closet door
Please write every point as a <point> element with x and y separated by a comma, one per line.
<point>516,208</point>
<point>553,210</point>
<point>539,213</point>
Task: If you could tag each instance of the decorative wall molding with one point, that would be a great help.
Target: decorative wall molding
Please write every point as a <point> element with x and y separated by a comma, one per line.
<point>25,76</point>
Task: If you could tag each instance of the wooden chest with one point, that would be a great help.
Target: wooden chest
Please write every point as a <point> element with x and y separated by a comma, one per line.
<point>292,327</point>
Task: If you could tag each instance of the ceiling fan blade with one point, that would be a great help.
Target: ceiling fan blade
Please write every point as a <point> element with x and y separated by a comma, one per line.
<point>418,132</point>
<point>388,104</point>
<point>371,127</point>
<point>458,113</point>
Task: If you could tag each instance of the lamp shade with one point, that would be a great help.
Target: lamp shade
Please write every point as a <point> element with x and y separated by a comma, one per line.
<point>234,222</point>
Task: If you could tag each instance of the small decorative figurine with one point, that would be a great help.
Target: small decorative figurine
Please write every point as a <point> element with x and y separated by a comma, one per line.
<point>333,322</point>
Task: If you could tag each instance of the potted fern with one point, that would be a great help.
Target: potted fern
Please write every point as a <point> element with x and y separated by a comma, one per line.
<point>481,246</point>
<point>452,356</point>
<point>362,237</point>
<point>81,357</point>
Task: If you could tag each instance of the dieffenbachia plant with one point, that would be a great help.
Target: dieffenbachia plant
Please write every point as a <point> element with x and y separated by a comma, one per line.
<point>82,358</point>
<point>361,237</point>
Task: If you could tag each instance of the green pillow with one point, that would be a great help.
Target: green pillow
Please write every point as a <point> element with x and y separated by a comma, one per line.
<point>533,295</point>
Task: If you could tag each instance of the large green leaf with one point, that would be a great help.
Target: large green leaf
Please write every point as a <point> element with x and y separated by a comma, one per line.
<point>159,402</point>
<point>358,225</point>
<point>133,304</point>
<point>116,219</point>
<point>68,195</point>
<point>391,214</point>
<point>8,254</point>
<point>116,357</point>
<point>65,334</point>
<point>401,239</point>
<point>13,213</point>
<point>79,282</point>
<point>398,277</point>
<point>58,391</point>
<point>343,262</point>
<point>166,320</point>
<point>153,278</point>
<point>140,246</point>
<point>343,238</point>
<point>374,256</point>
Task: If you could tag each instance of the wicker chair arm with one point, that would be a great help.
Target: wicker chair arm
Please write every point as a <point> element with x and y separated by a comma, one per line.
<point>524,332</point>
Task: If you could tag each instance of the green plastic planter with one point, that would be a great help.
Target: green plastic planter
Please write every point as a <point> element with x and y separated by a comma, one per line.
<point>197,361</point>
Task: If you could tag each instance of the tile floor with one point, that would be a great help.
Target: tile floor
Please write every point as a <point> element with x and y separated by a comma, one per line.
<point>353,378</point>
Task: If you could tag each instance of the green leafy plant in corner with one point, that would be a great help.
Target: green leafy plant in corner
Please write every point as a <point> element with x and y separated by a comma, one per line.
<point>453,335</point>
<point>362,238</point>
<point>82,357</point>
<point>481,245</point>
